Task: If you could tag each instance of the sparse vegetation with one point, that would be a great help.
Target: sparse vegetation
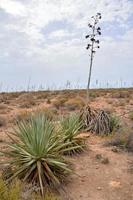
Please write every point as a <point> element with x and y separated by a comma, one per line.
<point>15,191</point>
<point>131,115</point>
<point>74,104</point>
<point>69,139</point>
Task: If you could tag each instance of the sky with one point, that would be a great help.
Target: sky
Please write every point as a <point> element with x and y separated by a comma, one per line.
<point>43,45</point>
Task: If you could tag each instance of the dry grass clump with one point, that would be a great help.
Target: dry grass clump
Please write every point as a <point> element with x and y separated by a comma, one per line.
<point>74,104</point>
<point>26,100</point>
<point>26,114</point>
<point>59,102</point>
<point>42,95</point>
<point>122,139</point>
<point>11,192</point>
<point>23,115</point>
<point>121,94</point>
<point>48,101</point>
<point>51,113</point>
<point>27,103</point>
<point>93,95</point>
<point>131,115</point>
<point>16,190</point>
<point>129,143</point>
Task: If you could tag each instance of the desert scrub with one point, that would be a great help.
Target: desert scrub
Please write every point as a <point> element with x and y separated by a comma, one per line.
<point>122,139</point>
<point>121,94</point>
<point>10,192</point>
<point>48,101</point>
<point>75,103</point>
<point>114,123</point>
<point>59,102</point>
<point>35,154</point>
<point>22,115</point>
<point>131,115</point>
<point>50,113</point>
<point>48,196</point>
<point>16,191</point>
<point>70,127</point>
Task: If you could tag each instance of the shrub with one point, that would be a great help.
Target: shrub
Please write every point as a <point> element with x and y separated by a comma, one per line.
<point>35,154</point>
<point>70,129</point>
<point>59,102</point>
<point>129,143</point>
<point>28,103</point>
<point>114,123</point>
<point>93,95</point>
<point>12,192</point>
<point>75,103</point>
<point>23,115</point>
<point>48,196</point>
<point>50,113</point>
<point>131,115</point>
<point>121,94</point>
<point>122,139</point>
<point>15,191</point>
<point>48,101</point>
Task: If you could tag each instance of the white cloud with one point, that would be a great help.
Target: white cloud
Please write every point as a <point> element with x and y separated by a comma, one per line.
<point>30,34</point>
<point>13,7</point>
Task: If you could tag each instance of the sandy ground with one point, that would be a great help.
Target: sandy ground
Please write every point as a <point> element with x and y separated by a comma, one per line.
<point>97,181</point>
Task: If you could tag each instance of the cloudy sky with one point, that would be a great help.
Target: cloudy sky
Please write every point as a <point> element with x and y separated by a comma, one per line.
<point>42,42</point>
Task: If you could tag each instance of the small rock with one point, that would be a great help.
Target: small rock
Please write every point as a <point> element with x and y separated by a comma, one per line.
<point>99,188</point>
<point>115,184</point>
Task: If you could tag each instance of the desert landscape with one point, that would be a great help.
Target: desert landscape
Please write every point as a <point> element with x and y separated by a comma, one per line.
<point>104,169</point>
<point>66,100</point>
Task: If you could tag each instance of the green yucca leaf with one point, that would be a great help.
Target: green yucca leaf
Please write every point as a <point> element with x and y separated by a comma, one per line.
<point>36,152</point>
<point>70,127</point>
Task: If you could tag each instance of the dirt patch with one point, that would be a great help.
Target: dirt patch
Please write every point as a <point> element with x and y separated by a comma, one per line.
<point>97,181</point>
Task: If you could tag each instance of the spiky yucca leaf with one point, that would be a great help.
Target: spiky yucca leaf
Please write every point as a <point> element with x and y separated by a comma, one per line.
<point>35,152</point>
<point>70,129</point>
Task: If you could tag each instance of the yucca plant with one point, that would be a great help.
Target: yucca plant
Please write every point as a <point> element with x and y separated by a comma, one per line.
<point>70,127</point>
<point>35,153</point>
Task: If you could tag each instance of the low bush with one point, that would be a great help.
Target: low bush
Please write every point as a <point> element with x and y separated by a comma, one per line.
<point>131,115</point>
<point>15,191</point>
<point>59,102</point>
<point>74,104</point>
<point>121,94</point>
<point>22,115</point>
<point>122,139</point>
<point>129,143</point>
<point>114,123</point>
<point>12,192</point>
